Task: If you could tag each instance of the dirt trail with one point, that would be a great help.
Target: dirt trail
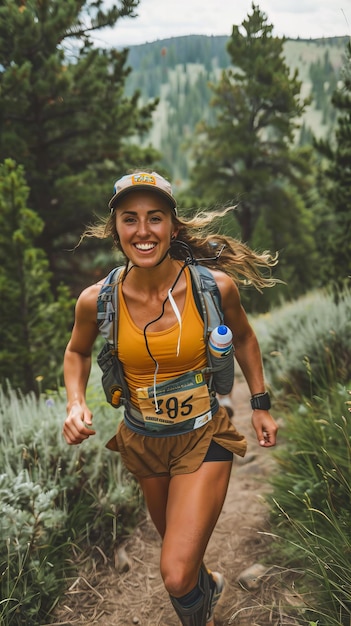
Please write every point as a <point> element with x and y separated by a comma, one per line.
<point>137,596</point>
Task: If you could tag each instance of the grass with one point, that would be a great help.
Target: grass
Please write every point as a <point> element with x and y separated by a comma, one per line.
<point>307,350</point>
<point>311,510</point>
<point>56,501</point>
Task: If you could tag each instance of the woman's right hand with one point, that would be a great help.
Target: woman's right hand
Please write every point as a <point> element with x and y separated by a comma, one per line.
<point>77,425</point>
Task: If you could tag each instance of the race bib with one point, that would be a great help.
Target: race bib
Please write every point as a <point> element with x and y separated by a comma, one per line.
<point>182,402</point>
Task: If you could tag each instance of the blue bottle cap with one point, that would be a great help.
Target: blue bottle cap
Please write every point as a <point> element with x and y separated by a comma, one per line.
<point>222,330</point>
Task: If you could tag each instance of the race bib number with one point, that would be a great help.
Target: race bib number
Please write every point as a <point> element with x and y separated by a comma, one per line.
<point>183,401</point>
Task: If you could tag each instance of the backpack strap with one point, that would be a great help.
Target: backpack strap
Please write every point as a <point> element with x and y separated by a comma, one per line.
<point>113,382</point>
<point>107,307</point>
<point>207,297</point>
<point>208,301</point>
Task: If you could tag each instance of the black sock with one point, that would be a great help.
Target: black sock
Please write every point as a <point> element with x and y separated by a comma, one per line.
<point>190,598</point>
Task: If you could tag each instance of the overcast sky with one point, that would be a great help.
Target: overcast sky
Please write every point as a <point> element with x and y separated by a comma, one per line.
<point>160,19</point>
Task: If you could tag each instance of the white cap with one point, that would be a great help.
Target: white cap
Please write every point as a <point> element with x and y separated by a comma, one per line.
<point>142,180</point>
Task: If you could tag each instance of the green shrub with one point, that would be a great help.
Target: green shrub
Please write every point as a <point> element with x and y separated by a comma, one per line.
<point>306,345</point>
<point>54,497</point>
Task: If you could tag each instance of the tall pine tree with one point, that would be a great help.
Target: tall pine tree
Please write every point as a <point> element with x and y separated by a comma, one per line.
<point>63,112</point>
<point>35,325</point>
<point>335,227</point>
<point>247,155</point>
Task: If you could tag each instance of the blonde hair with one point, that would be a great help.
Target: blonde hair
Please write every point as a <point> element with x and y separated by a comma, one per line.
<point>196,237</point>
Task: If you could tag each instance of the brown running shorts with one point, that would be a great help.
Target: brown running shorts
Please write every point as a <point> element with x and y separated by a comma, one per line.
<point>146,456</point>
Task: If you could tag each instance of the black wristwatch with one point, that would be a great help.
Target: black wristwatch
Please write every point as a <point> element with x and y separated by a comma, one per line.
<point>261,401</point>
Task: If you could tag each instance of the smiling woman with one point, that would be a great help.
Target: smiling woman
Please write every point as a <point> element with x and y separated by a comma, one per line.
<point>175,437</point>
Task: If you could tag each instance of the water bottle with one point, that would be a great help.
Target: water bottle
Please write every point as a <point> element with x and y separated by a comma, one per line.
<point>222,358</point>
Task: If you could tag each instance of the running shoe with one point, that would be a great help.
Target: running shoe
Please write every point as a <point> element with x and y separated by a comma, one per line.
<point>217,586</point>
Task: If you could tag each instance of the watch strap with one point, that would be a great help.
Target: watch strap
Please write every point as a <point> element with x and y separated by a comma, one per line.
<point>261,401</point>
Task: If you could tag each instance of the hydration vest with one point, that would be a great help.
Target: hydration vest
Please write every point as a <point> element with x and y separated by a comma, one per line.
<point>208,301</point>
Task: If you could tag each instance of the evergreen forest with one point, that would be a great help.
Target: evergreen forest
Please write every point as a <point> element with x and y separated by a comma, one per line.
<point>179,72</point>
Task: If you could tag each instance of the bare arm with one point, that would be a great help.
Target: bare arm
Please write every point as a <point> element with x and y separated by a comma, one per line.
<point>248,355</point>
<point>77,364</point>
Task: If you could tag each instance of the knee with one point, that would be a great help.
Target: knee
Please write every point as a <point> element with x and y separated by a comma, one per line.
<point>178,578</point>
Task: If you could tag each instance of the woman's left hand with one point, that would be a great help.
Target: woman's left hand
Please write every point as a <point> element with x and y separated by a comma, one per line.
<point>265,427</point>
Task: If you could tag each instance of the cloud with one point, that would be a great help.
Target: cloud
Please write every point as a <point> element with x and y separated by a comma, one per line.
<point>158,19</point>
<point>309,18</point>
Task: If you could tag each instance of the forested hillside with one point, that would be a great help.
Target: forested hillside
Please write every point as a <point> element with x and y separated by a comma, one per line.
<point>178,72</point>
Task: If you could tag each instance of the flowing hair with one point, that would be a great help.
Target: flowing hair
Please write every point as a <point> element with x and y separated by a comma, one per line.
<point>197,241</point>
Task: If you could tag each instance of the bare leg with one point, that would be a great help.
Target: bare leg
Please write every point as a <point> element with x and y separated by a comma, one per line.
<point>155,492</point>
<point>194,504</point>
<point>185,510</point>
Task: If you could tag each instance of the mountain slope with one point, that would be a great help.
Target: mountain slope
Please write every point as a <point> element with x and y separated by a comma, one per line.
<point>178,72</point>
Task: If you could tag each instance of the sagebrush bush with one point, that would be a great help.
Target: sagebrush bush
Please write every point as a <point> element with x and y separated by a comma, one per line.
<point>53,497</point>
<point>306,345</point>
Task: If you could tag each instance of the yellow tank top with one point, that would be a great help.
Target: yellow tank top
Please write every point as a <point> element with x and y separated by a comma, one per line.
<point>138,366</point>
